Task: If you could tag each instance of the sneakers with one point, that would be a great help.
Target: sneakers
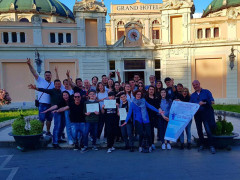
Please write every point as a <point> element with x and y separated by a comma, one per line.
<point>95,148</point>
<point>56,146</point>
<point>76,147</point>
<point>112,149</point>
<point>48,134</point>
<point>200,148</point>
<point>212,150</point>
<point>150,149</point>
<point>169,146</point>
<point>163,146</point>
<point>153,147</point>
<point>140,149</point>
<point>84,149</point>
<point>109,150</point>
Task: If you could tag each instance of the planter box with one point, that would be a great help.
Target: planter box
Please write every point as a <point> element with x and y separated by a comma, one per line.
<point>223,142</point>
<point>27,142</point>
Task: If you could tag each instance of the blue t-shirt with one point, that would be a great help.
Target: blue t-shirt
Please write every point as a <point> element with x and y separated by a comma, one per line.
<point>204,95</point>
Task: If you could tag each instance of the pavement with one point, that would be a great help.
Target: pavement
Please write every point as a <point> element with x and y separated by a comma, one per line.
<point>8,141</point>
<point>119,165</point>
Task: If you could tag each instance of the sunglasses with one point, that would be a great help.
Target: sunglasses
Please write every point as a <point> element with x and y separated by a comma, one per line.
<point>77,96</point>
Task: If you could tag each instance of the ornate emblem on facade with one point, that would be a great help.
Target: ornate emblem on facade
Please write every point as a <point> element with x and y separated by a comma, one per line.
<point>233,13</point>
<point>36,19</point>
<point>177,4</point>
<point>90,5</point>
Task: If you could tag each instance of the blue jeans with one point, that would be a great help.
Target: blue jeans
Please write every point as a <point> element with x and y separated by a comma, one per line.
<point>127,133</point>
<point>67,123</point>
<point>78,131</point>
<point>57,127</point>
<point>188,132</point>
<point>46,116</point>
<point>93,128</point>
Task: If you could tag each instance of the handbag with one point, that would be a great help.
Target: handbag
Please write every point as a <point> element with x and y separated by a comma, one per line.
<point>37,100</point>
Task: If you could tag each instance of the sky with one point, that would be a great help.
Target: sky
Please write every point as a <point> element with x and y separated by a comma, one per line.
<point>199,4</point>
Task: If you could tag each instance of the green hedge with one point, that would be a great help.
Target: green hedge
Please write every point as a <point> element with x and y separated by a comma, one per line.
<point>7,115</point>
<point>230,108</point>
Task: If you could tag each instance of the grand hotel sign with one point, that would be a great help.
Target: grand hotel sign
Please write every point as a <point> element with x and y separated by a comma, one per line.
<point>139,7</point>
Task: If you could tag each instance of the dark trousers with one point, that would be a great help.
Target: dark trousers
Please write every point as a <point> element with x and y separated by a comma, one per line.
<point>162,128</point>
<point>127,133</point>
<point>203,118</point>
<point>101,125</point>
<point>153,123</point>
<point>143,129</point>
<point>111,129</point>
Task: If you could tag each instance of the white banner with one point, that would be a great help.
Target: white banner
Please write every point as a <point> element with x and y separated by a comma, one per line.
<point>180,115</point>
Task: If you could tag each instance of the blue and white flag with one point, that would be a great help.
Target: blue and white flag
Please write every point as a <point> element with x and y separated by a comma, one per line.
<point>180,115</point>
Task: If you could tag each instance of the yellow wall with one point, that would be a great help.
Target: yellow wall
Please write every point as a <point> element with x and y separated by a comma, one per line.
<point>176,30</point>
<point>91,32</point>
<point>212,75</point>
<point>16,79</point>
<point>108,34</point>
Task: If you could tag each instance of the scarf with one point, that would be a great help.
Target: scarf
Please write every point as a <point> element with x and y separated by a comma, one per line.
<point>142,104</point>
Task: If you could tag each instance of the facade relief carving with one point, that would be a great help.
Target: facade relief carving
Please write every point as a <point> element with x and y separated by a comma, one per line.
<point>90,5</point>
<point>177,4</point>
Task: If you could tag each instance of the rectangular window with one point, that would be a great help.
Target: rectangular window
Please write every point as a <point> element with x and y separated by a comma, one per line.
<point>60,38</point>
<point>52,38</point>
<point>208,33</point>
<point>216,32</point>
<point>158,75</point>
<point>112,65</point>
<point>69,38</point>
<point>157,64</point>
<point>22,37</point>
<point>199,34</point>
<point>14,37</point>
<point>134,64</point>
<point>155,34</point>
<point>5,37</point>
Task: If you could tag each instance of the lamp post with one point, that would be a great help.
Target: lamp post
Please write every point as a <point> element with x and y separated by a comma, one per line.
<point>38,62</point>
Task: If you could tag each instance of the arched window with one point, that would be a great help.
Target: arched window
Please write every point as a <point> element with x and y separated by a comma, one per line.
<point>24,20</point>
<point>69,37</point>
<point>199,33</point>
<point>44,21</point>
<point>155,22</point>
<point>216,32</point>
<point>5,19</point>
<point>120,23</point>
<point>208,33</point>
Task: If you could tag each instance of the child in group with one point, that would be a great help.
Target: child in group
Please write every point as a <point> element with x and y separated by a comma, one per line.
<point>92,119</point>
<point>127,131</point>
<point>111,120</point>
<point>165,106</point>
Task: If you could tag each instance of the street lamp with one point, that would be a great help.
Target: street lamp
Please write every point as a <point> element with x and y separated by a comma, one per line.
<point>38,61</point>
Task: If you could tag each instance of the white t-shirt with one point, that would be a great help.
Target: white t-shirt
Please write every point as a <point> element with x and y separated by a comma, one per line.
<point>42,83</point>
<point>101,96</point>
<point>71,92</point>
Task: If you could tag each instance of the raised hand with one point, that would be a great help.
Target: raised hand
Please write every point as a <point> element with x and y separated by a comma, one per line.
<point>118,73</point>
<point>28,61</point>
<point>56,69</point>
<point>68,73</point>
<point>31,86</point>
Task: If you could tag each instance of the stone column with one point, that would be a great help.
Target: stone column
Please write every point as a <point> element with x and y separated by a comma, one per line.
<point>64,38</point>
<point>113,31</point>
<point>147,28</point>
<point>56,38</point>
<point>9,37</point>
<point>18,37</point>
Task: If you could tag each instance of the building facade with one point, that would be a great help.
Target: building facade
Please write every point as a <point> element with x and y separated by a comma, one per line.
<point>152,39</point>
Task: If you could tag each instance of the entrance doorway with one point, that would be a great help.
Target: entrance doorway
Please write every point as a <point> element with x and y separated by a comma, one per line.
<point>129,75</point>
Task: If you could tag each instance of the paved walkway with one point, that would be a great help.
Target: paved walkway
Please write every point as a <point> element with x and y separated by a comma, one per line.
<point>4,137</point>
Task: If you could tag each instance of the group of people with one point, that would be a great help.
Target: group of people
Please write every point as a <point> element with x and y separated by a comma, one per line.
<point>147,108</point>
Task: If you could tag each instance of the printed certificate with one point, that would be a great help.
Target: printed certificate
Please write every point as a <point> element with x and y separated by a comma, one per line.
<point>110,104</point>
<point>92,107</point>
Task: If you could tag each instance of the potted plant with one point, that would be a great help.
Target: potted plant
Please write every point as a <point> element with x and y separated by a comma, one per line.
<point>223,135</point>
<point>27,133</point>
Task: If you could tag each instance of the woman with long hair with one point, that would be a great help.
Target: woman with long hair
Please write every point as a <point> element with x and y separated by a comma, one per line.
<point>186,98</point>
<point>141,87</point>
<point>165,106</point>
<point>128,92</point>
<point>158,88</point>
<point>110,85</point>
<point>138,108</point>
<point>101,96</point>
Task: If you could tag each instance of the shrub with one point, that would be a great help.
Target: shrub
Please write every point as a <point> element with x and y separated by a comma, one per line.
<point>223,127</point>
<point>18,127</point>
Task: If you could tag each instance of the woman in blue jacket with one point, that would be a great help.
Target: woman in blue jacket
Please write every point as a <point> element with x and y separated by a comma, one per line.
<point>138,109</point>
